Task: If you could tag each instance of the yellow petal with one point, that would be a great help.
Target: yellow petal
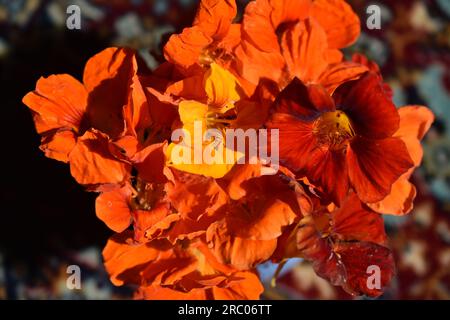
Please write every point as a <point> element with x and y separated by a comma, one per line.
<point>181,157</point>
<point>222,88</point>
<point>190,112</point>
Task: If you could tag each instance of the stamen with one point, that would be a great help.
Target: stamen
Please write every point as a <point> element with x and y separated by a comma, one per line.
<point>334,129</point>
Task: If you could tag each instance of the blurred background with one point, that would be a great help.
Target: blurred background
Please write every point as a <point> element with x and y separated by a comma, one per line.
<point>47,221</point>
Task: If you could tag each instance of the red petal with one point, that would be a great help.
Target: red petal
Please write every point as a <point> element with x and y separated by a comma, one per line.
<point>304,102</point>
<point>372,112</point>
<point>374,165</point>
<point>354,221</point>
<point>358,258</point>
<point>328,169</point>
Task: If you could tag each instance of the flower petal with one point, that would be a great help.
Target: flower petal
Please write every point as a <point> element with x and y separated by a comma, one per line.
<point>214,17</point>
<point>108,77</point>
<point>185,49</point>
<point>221,88</point>
<point>60,101</point>
<point>113,208</point>
<point>371,110</point>
<point>338,19</point>
<point>304,49</point>
<point>358,257</point>
<point>341,73</point>
<point>354,221</point>
<point>91,162</point>
<point>374,166</point>
<point>58,146</point>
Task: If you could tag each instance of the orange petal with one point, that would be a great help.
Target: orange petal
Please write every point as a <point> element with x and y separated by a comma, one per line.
<point>214,17</point>
<point>60,101</point>
<point>249,288</point>
<point>137,111</point>
<point>150,224</point>
<point>401,199</point>
<point>304,48</point>
<point>123,258</point>
<point>186,48</point>
<point>257,18</point>
<point>253,64</point>
<point>150,163</point>
<point>195,195</point>
<point>340,22</point>
<point>289,10</point>
<point>415,121</point>
<point>156,292</point>
<point>113,208</point>
<point>190,88</point>
<point>92,164</point>
<point>340,73</point>
<point>59,145</point>
<point>107,77</point>
<point>241,253</point>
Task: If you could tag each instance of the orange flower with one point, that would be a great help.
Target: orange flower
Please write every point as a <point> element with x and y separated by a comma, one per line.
<point>77,120</point>
<point>261,208</point>
<point>186,270</point>
<point>311,34</point>
<point>162,203</point>
<point>212,37</point>
<point>344,141</point>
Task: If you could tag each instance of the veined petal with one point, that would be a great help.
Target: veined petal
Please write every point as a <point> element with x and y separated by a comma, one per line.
<point>108,79</point>
<point>341,73</point>
<point>304,49</point>
<point>214,17</point>
<point>338,19</point>
<point>221,88</point>
<point>374,166</point>
<point>371,110</point>
<point>113,208</point>
<point>60,101</point>
<point>91,163</point>
<point>185,49</point>
<point>59,145</point>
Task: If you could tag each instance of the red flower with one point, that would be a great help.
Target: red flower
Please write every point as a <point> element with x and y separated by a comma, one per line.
<point>342,141</point>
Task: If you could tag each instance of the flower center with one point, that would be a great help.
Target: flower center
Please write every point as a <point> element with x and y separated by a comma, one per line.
<point>334,129</point>
<point>218,121</point>
<point>213,54</point>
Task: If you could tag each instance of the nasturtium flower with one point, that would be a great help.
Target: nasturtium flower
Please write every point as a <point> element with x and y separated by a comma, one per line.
<point>211,39</point>
<point>215,112</point>
<point>344,141</point>
<point>312,32</point>
<point>78,120</point>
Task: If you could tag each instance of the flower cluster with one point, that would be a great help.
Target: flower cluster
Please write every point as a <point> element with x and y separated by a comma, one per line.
<point>198,230</point>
